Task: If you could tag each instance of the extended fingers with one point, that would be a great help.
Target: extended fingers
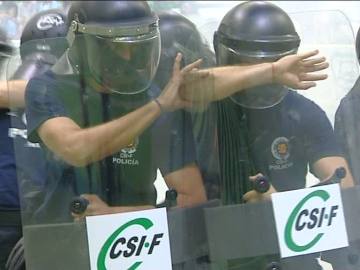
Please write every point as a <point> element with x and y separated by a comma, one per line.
<point>177,63</point>
<point>308,54</point>
<point>193,65</point>
<point>312,77</point>
<point>313,61</point>
<point>314,68</point>
<point>196,74</point>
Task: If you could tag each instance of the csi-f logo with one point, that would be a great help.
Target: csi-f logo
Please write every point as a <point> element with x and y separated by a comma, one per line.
<point>117,246</point>
<point>302,218</point>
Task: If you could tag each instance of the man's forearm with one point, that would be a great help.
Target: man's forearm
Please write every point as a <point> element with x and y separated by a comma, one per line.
<point>224,81</point>
<point>111,137</point>
<point>12,94</point>
<point>80,147</point>
<point>229,80</point>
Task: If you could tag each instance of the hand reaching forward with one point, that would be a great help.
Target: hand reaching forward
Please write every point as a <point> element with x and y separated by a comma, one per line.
<point>296,71</point>
<point>170,98</point>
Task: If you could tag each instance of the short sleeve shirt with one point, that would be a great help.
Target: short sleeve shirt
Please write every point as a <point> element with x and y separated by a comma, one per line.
<point>347,129</point>
<point>8,181</point>
<point>283,140</point>
<point>126,177</point>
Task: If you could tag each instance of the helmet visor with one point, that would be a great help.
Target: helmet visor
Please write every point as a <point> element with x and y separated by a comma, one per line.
<point>259,97</point>
<point>125,65</point>
<point>229,56</point>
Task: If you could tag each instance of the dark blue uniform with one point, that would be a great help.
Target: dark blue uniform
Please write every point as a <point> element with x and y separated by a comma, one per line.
<point>280,142</point>
<point>9,199</point>
<point>283,140</point>
<point>8,184</point>
<point>289,137</point>
<point>347,128</point>
<point>21,165</point>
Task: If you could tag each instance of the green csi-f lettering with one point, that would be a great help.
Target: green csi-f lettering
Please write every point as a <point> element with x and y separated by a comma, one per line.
<point>301,219</point>
<point>315,218</point>
<point>134,246</point>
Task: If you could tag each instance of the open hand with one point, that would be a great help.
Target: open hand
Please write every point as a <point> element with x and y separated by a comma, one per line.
<point>170,98</point>
<point>296,71</point>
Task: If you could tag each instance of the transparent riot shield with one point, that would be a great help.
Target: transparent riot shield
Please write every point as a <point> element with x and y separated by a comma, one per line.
<point>10,219</point>
<point>267,139</point>
<point>59,188</point>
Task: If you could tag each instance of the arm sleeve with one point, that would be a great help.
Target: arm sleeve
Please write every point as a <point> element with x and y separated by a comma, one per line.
<point>347,130</point>
<point>320,137</point>
<point>174,142</point>
<point>339,127</point>
<point>41,105</point>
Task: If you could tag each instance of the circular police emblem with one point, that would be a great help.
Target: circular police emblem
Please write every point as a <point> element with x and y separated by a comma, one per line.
<point>131,148</point>
<point>280,148</point>
<point>48,21</point>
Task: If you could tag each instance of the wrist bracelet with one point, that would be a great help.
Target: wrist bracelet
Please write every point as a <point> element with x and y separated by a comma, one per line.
<point>160,106</point>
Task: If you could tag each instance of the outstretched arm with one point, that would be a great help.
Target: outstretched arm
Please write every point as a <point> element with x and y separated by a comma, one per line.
<point>80,147</point>
<point>12,93</point>
<point>294,71</point>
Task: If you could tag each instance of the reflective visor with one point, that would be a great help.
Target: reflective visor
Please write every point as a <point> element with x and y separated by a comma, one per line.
<point>259,97</point>
<point>229,56</point>
<point>125,65</point>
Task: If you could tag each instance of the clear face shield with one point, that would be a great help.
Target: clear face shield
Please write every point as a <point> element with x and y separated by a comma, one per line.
<point>259,97</point>
<point>123,60</point>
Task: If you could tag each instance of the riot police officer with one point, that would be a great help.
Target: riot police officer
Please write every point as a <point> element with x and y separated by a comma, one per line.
<point>347,124</point>
<point>38,52</point>
<point>278,122</point>
<point>268,129</point>
<point>10,221</point>
<point>104,118</point>
<point>179,34</point>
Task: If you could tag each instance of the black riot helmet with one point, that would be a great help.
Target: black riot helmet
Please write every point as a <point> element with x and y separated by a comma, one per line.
<point>121,42</point>
<point>179,34</point>
<point>45,26</point>
<point>43,41</point>
<point>255,32</point>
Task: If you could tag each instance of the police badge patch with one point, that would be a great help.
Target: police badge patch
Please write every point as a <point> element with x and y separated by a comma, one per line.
<point>280,148</point>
